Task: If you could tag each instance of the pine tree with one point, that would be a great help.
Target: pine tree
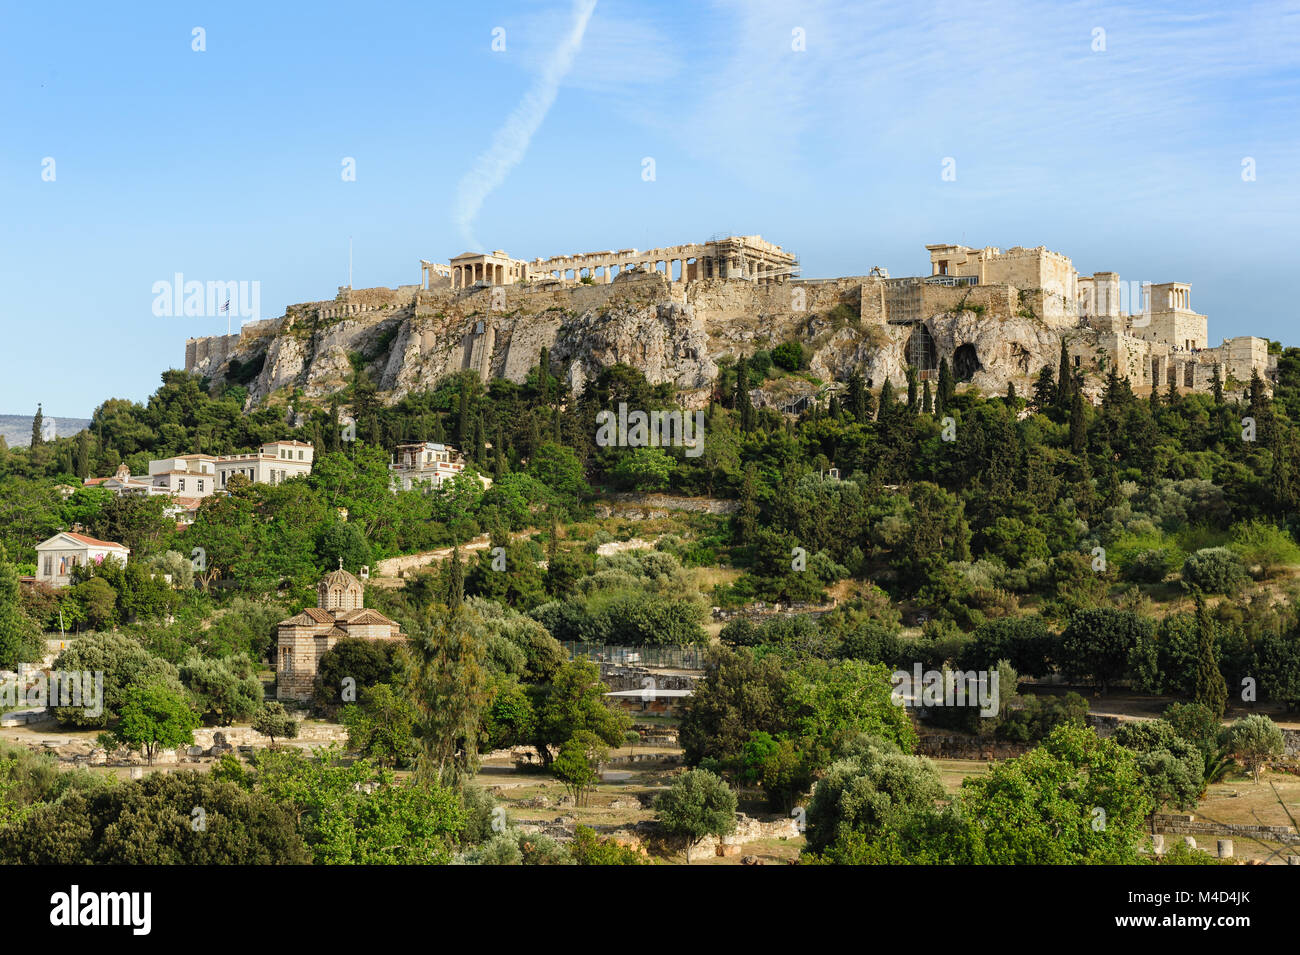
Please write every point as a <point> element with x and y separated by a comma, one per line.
<point>1208,686</point>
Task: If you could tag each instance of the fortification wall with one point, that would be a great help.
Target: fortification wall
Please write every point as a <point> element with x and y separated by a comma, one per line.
<point>720,300</point>
<point>1178,329</point>
<point>209,352</point>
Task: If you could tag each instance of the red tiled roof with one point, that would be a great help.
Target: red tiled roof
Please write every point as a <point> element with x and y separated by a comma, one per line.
<point>365,617</point>
<point>310,617</point>
<point>93,541</point>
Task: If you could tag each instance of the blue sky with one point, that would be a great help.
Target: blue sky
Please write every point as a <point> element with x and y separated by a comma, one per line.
<point>226,164</point>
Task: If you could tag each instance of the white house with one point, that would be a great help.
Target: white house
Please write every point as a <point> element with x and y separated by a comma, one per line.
<point>274,463</point>
<point>56,557</point>
<point>426,463</point>
<point>193,476</point>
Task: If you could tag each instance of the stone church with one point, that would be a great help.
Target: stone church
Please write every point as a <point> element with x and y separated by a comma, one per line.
<point>339,612</point>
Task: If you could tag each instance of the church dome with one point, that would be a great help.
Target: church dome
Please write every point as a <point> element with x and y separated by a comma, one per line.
<point>339,590</point>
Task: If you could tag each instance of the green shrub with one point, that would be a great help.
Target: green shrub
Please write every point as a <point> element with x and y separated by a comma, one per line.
<point>788,355</point>
<point>1214,570</point>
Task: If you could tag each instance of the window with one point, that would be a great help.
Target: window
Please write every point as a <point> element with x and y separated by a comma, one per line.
<point>200,485</point>
<point>299,455</point>
<point>180,484</point>
<point>49,566</point>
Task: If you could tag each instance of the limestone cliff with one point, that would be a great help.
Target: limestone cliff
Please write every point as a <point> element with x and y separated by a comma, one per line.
<point>410,338</point>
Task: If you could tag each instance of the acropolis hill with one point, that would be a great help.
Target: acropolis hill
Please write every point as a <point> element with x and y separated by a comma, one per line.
<point>997,316</point>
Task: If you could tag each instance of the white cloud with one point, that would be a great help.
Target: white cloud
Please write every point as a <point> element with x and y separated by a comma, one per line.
<point>510,143</point>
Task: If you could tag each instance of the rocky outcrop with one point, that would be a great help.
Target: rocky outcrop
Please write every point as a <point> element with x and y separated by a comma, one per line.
<point>671,332</point>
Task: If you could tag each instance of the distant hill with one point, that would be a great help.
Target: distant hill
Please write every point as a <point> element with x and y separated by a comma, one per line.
<point>17,428</point>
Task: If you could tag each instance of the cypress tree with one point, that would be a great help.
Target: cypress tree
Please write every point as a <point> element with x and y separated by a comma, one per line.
<point>857,397</point>
<point>454,579</point>
<point>82,464</point>
<point>747,513</point>
<point>544,376</point>
<point>927,400</point>
<point>552,537</point>
<point>1078,430</point>
<point>1045,389</point>
<point>742,402</point>
<point>947,387</point>
<point>1065,382</point>
<point>332,435</point>
<point>38,429</point>
<point>887,401</point>
<point>911,390</point>
<point>1208,686</point>
<point>480,441</point>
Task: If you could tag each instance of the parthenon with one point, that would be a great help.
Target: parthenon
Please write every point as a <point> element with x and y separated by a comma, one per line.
<point>747,257</point>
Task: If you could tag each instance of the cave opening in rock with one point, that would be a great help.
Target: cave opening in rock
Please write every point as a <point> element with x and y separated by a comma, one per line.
<point>965,362</point>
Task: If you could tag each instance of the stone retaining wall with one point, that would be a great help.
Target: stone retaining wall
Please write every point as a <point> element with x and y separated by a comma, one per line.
<point>1185,824</point>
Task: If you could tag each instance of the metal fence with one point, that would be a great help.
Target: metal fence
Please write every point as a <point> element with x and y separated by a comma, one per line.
<point>675,657</point>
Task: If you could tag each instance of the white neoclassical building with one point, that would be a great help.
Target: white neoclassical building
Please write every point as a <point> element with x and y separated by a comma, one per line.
<point>56,557</point>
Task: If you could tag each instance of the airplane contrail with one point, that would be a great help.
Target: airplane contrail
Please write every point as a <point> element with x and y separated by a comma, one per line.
<point>512,138</point>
